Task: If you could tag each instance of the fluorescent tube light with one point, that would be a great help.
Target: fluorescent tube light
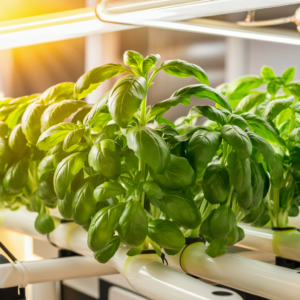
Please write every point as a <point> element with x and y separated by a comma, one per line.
<point>53,27</point>
<point>207,26</point>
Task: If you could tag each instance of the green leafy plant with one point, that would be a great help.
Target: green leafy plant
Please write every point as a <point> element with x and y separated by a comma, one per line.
<point>128,175</point>
<point>278,106</point>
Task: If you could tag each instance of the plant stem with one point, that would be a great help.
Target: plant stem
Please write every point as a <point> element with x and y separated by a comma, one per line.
<point>270,210</point>
<point>229,197</point>
<point>292,122</point>
<point>89,140</point>
<point>155,71</point>
<point>224,153</point>
<point>239,218</point>
<point>143,112</point>
<point>195,232</point>
<point>275,196</point>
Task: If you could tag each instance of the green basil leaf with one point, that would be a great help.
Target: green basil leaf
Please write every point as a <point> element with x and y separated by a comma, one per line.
<point>201,148</point>
<point>31,122</point>
<point>263,128</point>
<point>216,185</point>
<point>239,172</point>
<point>101,121</point>
<point>103,226</point>
<point>44,224</point>
<point>148,145</point>
<point>97,109</point>
<point>237,120</point>
<point>54,135</point>
<point>222,222</point>
<point>222,88</point>
<point>57,112</point>
<point>205,227</point>
<point>238,140</point>
<point>84,204</point>
<point>203,91</point>
<point>135,251</point>
<point>17,140</point>
<point>294,88</point>
<point>160,108</point>
<point>82,113</point>
<point>133,225</point>
<point>105,159</point>
<point>295,135</point>
<point>273,87</point>
<point>180,208</point>
<point>66,171</point>
<point>93,78</point>
<point>257,184</point>
<point>263,147</point>
<point>24,99</point>
<point>275,107</point>
<point>6,111</point>
<point>16,177</point>
<point>109,132</point>
<point>109,250</point>
<point>267,73</point>
<point>150,62</point>
<point>152,190</point>
<point>244,199</point>
<point>45,167</point>
<point>3,129</point>
<point>276,171</point>
<point>108,190</point>
<point>45,191</point>
<point>128,182</point>
<point>254,214</point>
<point>166,234</point>
<point>263,220</point>
<point>72,140</point>
<point>288,74</point>
<point>35,202</point>
<point>58,92</point>
<point>65,206</point>
<point>216,248</point>
<point>126,97</point>
<point>135,61</point>
<point>14,117</point>
<point>179,175</point>
<point>250,101</point>
<point>233,236</point>
<point>240,87</point>
<point>5,155</point>
<point>293,211</point>
<point>209,112</point>
<point>181,68</point>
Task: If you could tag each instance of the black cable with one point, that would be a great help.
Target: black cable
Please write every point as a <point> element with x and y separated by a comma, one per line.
<point>163,257</point>
<point>8,253</point>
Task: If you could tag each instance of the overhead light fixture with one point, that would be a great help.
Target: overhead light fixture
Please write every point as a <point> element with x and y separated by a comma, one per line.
<point>53,27</point>
<point>206,26</point>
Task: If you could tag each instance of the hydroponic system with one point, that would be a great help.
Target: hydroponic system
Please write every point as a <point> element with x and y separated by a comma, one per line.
<point>157,201</point>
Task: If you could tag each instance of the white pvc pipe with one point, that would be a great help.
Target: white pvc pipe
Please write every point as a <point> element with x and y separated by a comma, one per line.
<point>286,243</point>
<point>254,277</point>
<point>23,273</point>
<point>145,273</point>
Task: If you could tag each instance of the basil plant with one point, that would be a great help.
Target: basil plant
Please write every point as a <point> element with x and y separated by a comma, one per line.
<point>279,106</point>
<point>128,175</point>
